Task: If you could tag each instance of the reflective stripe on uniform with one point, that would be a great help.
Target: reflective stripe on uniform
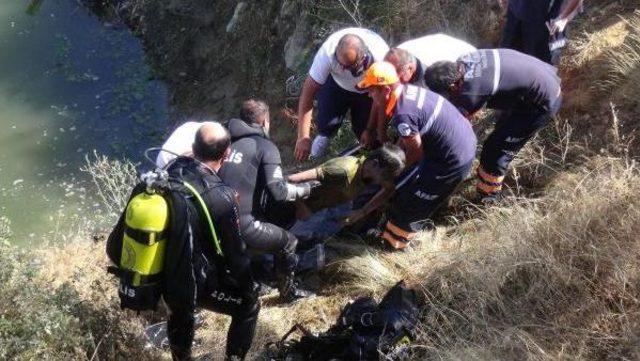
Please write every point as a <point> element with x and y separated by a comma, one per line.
<point>496,74</point>
<point>397,230</point>
<point>488,188</point>
<point>434,115</point>
<point>489,178</point>
<point>393,241</point>
<point>396,236</point>
<point>407,178</point>
<point>488,183</point>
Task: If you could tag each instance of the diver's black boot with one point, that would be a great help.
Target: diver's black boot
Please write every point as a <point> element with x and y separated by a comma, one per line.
<point>264,289</point>
<point>289,290</point>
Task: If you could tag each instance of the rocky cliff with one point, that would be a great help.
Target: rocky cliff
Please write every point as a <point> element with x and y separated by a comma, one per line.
<point>213,54</point>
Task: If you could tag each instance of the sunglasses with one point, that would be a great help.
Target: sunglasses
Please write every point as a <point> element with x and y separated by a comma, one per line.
<point>359,66</point>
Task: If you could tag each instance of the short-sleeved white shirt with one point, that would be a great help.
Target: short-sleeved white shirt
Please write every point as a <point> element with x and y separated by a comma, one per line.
<point>433,48</point>
<point>179,142</point>
<point>325,63</point>
<point>437,47</point>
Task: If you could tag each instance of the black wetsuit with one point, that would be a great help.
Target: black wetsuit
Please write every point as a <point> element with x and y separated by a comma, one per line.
<point>223,283</point>
<point>253,167</point>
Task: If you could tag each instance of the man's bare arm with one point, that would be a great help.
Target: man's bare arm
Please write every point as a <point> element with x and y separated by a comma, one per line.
<point>370,134</point>
<point>304,176</point>
<point>412,146</point>
<point>305,109</point>
<point>569,8</point>
<point>374,203</point>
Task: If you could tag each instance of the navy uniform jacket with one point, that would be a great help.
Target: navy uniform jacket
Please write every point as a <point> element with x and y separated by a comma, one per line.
<point>506,79</point>
<point>447,137</point>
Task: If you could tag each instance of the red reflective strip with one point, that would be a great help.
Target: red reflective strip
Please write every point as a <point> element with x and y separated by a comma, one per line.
<point>489,178</point>
<point>396,243</point>
<point>398,231</point>
<point>393,100</point>
<point>488,188</point>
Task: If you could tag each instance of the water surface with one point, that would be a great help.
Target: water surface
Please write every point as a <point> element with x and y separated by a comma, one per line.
<point>69,84</point>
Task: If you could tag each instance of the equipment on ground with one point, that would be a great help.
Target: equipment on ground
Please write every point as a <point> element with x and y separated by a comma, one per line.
<point>365,330</point>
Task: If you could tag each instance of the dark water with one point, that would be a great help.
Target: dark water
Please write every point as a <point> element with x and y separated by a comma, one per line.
<point>69,84</point>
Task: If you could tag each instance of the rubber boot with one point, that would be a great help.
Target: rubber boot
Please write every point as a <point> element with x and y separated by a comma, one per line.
<point>289,290</point>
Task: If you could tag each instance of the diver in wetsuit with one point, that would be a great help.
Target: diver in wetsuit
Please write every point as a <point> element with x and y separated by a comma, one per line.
<point>254,166</point>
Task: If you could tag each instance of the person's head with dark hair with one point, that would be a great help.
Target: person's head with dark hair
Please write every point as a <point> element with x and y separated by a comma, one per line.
<point>444,77</point>
<point>384,164</point>
<point>256,113</point>
<point>211,144</point>
<point>406,64</point>
<point>353,54</point>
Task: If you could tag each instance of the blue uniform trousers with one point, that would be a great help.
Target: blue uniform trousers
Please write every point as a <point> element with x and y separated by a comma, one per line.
<point>333,104</point>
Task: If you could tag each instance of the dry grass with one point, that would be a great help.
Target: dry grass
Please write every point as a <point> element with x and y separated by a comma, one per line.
<point>591,45</point>
<point>624,62</point>
<point>59,304</point>
<point>552,278</point>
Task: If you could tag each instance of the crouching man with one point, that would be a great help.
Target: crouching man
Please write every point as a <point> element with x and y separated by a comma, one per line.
<point>434,135</point>
<point>198,258</point>
<point>254,167</point>
<point>223,281</point>
<point>525,89</point>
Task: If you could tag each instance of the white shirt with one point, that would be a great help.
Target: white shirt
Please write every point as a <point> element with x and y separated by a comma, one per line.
<point>437,47</point>
<point>325,63</point>
<point>179,142</point>
<point>430,49</point>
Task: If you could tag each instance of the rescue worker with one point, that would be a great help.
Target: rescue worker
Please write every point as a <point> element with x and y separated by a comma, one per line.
<point>434,135</point>
<point>179,143</point>
<point>337,67</point>
<point>412,57</point>
<point>526,89</point>
<point>537,27</point>
<point>252,167</point>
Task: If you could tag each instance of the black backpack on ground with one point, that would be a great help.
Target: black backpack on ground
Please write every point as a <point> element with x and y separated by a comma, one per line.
<point>365,330</point>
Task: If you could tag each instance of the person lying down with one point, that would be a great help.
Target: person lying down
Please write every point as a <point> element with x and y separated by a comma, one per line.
<point>329,206</point>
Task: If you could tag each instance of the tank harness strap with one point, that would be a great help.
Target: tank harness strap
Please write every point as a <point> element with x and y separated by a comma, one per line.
<point>205,210</point>
<point>127,275</point>
<point>144,237</point>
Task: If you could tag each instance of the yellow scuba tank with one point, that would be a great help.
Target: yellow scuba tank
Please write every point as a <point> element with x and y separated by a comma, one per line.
<point>139,241</point>
<point>140,238</point>
<point>145,237</point>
